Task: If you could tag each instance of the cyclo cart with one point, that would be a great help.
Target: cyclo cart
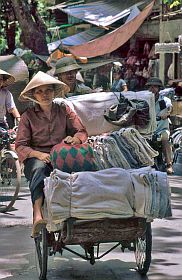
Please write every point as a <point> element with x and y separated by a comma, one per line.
<point>133,233</point>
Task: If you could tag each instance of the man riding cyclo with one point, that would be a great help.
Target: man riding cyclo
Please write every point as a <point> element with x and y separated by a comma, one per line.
<point>163,107</point>
<point>41,127</point>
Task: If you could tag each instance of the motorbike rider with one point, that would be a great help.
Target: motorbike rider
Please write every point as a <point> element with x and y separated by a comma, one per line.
<point>163,107</point>
<point>7,103</point>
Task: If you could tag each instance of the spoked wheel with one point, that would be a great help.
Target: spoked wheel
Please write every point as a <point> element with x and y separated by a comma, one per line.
<point>41,253</point>
<point>142,249</point>
<point>10,180</point>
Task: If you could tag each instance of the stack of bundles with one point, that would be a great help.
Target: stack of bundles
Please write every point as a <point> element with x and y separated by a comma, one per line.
<point>92,107</point>
<point>109,193</point>
<point>125,148</point>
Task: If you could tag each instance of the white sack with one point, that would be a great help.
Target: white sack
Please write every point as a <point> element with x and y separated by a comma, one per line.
<point>89,195</point>
<point>91,107</point>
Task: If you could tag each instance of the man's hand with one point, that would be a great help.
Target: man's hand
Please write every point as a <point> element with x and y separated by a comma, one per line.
<point>44,157</point>
<point>72,140</point>
<point>41,156</point>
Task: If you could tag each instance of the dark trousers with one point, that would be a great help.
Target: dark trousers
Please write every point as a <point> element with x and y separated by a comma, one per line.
<point>36,171</point>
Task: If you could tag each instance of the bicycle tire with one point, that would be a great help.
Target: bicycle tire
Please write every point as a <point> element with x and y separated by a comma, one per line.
<point>41,254</point>
<point>10,182</point>
<point>142,250</point>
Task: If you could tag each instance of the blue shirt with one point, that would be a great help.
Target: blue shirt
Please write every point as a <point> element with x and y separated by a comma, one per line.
<point>118,85</point>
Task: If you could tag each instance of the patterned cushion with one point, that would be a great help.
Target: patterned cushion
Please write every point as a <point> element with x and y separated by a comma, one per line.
<point>73,158</point>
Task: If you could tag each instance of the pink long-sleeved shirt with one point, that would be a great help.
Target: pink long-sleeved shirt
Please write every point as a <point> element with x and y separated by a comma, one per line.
<point>37,132</point>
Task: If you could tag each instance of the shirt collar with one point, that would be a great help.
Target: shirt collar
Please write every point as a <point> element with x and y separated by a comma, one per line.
<point>37,107</point>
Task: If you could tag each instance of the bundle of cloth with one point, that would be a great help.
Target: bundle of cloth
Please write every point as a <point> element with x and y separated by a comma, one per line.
<point>92,107</point>
<point>125,148</point>
<point>108,193</point>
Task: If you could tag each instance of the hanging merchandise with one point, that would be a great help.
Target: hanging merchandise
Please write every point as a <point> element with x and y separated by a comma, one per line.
<point>146,49</point>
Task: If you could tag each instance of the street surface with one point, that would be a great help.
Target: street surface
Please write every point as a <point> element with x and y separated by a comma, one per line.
<point>17,258</point>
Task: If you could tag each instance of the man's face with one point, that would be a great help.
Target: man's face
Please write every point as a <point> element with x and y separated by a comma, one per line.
<point>68,77</point>
<point>116,75</point>
<point>155,90</point>
<point>44,94</point>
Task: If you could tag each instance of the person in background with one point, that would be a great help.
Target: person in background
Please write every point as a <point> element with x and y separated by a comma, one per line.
<point>101,79</point>
<point>7,103</point>
<point>118,83</point>
<point>66,69</point>
<point>131,79</point>
<point>163,107</point>
<point>40,128</point>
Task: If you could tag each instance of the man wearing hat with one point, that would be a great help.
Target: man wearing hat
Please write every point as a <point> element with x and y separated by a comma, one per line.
<point>41,127</point>
<point>163,107</point>
<point>66,71</point>
<point>6,99</point>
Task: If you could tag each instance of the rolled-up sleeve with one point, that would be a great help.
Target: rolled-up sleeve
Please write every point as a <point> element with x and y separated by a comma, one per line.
<point>168,102</point>
<point>10,104</point>
<point>75,126</point>
<point>22,143</point>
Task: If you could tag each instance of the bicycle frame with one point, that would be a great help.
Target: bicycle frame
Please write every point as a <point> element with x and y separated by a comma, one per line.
<point>10,176</point>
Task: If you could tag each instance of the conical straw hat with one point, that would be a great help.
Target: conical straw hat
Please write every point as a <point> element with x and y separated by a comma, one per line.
<point>9,79</point>
<point>40,79</point>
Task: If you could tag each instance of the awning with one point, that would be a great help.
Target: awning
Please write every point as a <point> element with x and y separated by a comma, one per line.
<point>113,40</point>
<point>82,37</point>
<point>53,46</point>
<point>101,13</point>
<point>95,62</point>
<point>77,39</point>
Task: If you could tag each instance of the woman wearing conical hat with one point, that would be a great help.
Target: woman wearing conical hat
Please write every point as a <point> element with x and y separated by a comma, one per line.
<point>40,128</point>
<point>6,99</point>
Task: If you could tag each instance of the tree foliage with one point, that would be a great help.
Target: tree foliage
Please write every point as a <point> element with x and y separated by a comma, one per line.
<point>173,3</point>
<point>21,22</point>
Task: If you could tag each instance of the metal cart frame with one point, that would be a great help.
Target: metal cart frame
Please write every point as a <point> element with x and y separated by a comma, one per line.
<point>132,233</point>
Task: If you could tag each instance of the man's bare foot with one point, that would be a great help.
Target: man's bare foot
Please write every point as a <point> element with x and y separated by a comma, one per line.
<point>37,218</point>
<point>37,227</point>
<point>37,210</point>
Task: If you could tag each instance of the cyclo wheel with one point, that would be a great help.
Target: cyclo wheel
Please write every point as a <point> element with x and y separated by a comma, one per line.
<point>142,250</point>
<point>10,181</point>
<point>41,253</point>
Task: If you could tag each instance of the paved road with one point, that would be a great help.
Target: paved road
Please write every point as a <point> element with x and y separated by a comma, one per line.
<point>17,260</point>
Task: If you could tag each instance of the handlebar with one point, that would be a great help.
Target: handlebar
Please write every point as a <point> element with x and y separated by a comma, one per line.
<point>12,134</point>
<point>8,136</point>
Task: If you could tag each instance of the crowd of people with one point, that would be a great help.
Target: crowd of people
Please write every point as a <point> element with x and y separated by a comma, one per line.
<point>135,69</point>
